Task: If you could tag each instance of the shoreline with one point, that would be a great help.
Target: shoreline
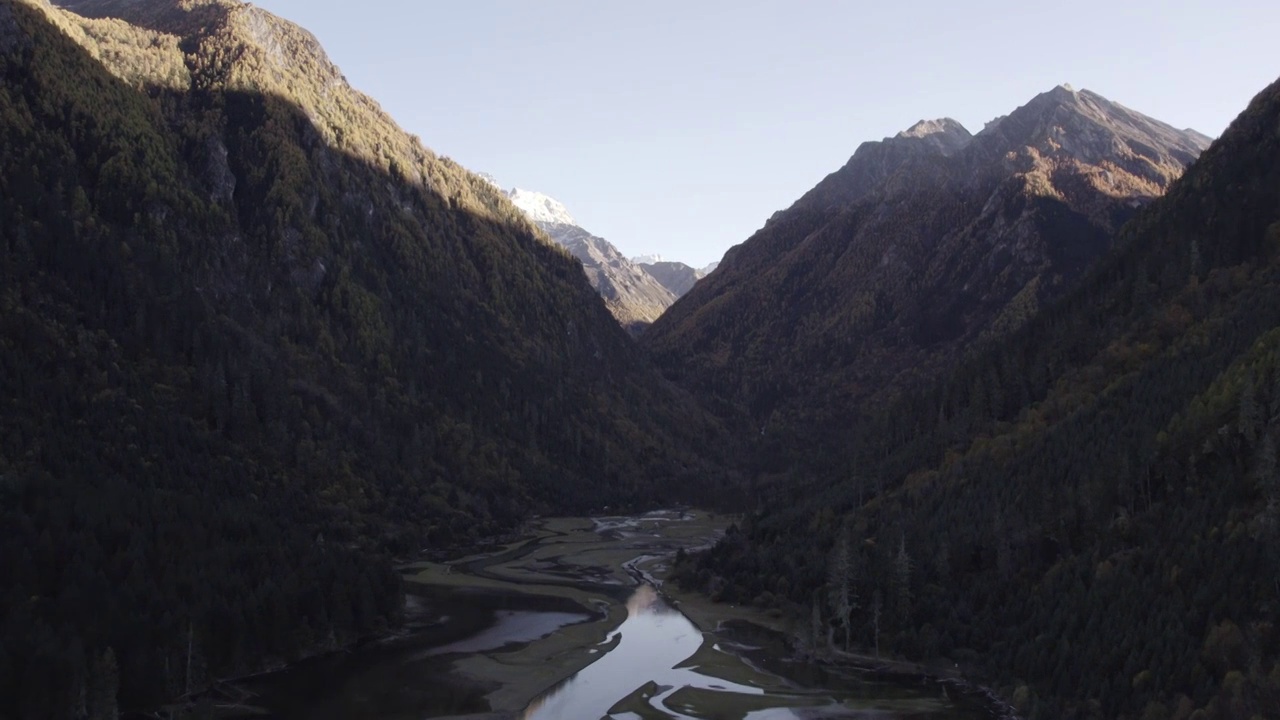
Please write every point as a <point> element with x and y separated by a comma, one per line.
<point>515,678</point>
<point>710,617</point>
<point>591,565</point>
<point>522,672</point>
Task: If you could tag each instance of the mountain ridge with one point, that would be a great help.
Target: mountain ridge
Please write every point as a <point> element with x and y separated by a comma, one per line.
<point>1086,513</point>
<point>921,244</point>
<point>541,208</point>
<point>677,277</point>
<point>258,341</point>
<point>633,296</point>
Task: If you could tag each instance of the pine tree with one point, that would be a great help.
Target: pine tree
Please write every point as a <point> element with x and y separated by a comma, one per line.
<point>1264,474</point>
<point>875,620</point>
<point>902,583</point>
<point>1250,414</point>
<point>195,663</point>
<point>815,625</point>
<point>104,685</point>
<point>840,592</point>
<point>1274,405</point>
<point>1264,467</point>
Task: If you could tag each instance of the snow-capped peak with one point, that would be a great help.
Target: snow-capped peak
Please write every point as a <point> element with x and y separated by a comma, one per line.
<point>541,208</point>
<point>647,259</point>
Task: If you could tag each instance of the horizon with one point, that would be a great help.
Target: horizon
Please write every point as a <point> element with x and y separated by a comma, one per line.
<point>678,131</point>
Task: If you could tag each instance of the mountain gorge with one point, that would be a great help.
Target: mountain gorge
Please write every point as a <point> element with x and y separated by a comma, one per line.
<point>257,340</point>
<point>1085,510</point>
<point>1004,403</point>
<point>635,297</point>
<point>677,277</point>
<point>921,246</point>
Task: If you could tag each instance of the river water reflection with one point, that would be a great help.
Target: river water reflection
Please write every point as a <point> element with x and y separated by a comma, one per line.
<point>484,634</point>
<point>661,668</point>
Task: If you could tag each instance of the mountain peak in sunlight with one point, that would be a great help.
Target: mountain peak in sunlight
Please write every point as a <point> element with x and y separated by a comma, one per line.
<point>541,208</point>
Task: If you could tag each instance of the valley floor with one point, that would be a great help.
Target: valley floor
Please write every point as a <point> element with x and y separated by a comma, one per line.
<point>566,620</point>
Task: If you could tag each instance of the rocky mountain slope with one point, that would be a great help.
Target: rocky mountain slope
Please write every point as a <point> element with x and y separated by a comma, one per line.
<point>634,296</point>
<point>255,340</point>
<point>922,245</point>
<point>1085,514</point>
<point>674,276</point>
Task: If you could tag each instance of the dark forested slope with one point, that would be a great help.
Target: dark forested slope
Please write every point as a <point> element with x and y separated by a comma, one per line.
<point>891,268</point>
<point>1087,514</point>
<point>254,339</point>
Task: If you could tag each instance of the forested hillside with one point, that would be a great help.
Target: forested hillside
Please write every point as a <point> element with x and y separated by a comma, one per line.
<point>1087,513</point>
<point>882,276</point>
<point>254,341</point>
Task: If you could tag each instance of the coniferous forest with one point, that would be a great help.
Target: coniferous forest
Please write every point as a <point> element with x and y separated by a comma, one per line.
<point>258,345</point>
<point>1085,512</point>
<point>257,342</point>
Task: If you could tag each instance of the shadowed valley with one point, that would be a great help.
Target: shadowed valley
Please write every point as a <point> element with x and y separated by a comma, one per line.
<point>996,414</point>
<point>256,341</point>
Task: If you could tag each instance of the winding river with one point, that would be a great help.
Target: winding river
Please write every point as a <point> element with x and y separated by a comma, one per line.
<point>572,623</point>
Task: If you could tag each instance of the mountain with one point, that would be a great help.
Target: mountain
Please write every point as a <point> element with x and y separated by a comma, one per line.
<point>922,245</point>
<point>255,341</point>
<point>634,296</point>
<point>1085,513</point>
<point>674,276</point>
<point>540,208</point>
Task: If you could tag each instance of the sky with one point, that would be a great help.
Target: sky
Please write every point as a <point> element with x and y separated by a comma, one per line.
<point>678,128</point>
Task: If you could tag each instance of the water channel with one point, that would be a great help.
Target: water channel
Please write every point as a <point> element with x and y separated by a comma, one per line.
<point>568,624</point>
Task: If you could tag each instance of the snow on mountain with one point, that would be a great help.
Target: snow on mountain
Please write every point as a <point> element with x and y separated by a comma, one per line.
<point>633,296</point>
<point>636,290</point>
<point>540,208</point>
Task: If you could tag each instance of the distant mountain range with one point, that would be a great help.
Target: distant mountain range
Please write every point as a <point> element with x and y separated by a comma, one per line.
<point>674,276</point>
<point>655,259</point>
<point>634,296</point>
<point>637,291</point>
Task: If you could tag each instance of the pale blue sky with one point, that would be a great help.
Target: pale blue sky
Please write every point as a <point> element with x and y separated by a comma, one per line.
<point>679,127</point>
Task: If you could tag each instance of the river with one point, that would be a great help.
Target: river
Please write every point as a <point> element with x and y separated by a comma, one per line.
<point>572,623</point>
